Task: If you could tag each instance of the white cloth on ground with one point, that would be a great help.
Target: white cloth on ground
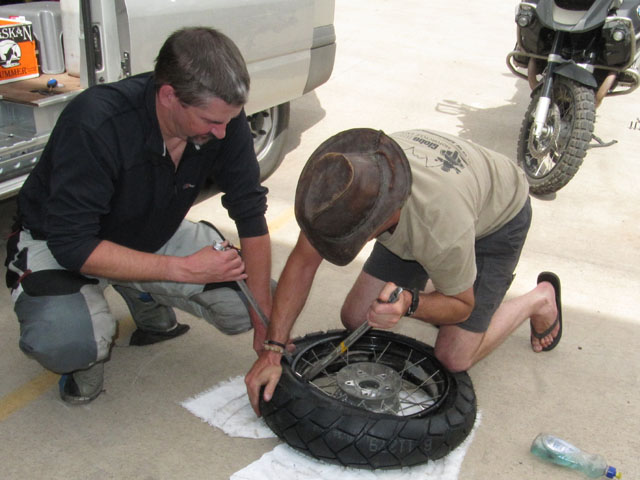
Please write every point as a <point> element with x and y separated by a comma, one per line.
<point>226,406</point>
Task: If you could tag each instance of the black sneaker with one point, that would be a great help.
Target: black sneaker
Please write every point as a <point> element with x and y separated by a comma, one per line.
<point>146,337</point>
<point>82,386</point>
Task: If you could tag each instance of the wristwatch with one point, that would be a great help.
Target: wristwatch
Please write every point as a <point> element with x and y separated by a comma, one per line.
<point>415,300</point>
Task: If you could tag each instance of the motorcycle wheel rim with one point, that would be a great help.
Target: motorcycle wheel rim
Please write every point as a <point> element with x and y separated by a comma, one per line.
<point>361,376</point>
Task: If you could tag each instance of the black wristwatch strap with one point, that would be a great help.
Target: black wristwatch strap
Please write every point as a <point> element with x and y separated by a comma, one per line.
<point>415,299</point>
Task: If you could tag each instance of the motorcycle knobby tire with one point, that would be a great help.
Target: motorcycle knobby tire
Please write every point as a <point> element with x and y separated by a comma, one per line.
<point>576,104</point>
<point>333,431</point>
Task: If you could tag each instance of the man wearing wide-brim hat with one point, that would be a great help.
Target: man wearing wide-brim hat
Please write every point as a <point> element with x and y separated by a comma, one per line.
<point>441,209</point>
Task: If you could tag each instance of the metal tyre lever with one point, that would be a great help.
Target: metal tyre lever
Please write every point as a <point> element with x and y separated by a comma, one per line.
<point>323,363</point>
<point>245,290</point>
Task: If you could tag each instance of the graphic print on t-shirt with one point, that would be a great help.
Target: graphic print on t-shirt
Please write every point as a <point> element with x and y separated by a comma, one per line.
<point>436,151</point>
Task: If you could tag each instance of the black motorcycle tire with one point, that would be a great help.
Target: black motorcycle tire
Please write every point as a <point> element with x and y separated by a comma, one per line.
<point>333,431</point>
<point>576,106</point>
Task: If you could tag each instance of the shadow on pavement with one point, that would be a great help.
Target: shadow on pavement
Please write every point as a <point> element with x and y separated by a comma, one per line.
<point>494,128</point>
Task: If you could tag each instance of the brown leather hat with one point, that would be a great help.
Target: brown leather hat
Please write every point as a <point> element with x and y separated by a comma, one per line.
<point>349,187</point>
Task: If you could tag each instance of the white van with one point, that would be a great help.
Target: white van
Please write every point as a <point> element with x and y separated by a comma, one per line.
<point>289,47</point>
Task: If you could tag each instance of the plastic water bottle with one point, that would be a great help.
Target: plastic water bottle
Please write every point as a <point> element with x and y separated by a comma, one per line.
<point>561,452</point>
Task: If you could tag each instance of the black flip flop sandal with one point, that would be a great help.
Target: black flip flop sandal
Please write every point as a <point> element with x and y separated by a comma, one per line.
<point>553,279</point>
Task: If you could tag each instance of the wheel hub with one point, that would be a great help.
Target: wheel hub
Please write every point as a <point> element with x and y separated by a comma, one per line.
<point>372,385</point>
<point>540,147</point>
<point>262,125</point>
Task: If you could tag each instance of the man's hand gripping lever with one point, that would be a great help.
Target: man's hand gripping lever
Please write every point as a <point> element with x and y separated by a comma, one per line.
<point>323,363</point>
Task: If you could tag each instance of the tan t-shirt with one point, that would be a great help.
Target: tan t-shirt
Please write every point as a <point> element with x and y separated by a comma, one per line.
<point>460,192</point>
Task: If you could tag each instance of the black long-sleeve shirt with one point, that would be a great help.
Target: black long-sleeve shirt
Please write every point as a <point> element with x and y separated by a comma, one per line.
<point>105,175</point>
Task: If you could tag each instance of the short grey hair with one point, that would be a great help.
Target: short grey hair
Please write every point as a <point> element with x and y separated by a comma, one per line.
<point>201,63</point>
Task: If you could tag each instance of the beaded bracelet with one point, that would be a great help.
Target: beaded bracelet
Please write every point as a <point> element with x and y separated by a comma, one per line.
<point>273,348</point>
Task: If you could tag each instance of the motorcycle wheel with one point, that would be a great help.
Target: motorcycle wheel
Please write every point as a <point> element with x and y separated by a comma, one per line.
<point>551,161</point>
<point>385,403</point>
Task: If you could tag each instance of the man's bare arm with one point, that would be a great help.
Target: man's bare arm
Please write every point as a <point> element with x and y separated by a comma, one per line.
<point>293,289</point>
<point>207,265</point>
<point>256,253</point>
<point>433,307</point>
<point>291,295</point>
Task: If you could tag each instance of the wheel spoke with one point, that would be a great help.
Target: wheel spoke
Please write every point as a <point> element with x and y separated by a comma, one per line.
<point>409,366</point>
<point>317,358</point>
<point>419,387</point>
<point>307,362</point>
<point>546,165</point>
<point>411,407</point>
<point>331,388</point>
<point>539,169</point>
<point>376,360</point>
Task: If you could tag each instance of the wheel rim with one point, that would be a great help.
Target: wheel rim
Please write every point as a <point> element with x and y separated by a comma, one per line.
<point>263,130</point>
<point>378,374</point>
<point>543,155</point>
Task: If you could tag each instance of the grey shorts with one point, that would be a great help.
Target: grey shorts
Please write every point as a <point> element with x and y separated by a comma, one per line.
<point>496,258</point>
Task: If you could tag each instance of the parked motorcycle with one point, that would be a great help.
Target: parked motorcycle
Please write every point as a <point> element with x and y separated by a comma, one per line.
<point>573,53</point>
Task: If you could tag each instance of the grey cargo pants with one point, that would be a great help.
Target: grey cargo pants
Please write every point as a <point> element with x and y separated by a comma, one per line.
<point>65,322</point>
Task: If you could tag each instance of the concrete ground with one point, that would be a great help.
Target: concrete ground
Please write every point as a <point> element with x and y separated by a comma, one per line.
<point>399,65</point>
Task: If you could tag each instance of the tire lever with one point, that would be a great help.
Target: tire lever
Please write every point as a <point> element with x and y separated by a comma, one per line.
<point>323,363</point>
<point>245,289</point>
